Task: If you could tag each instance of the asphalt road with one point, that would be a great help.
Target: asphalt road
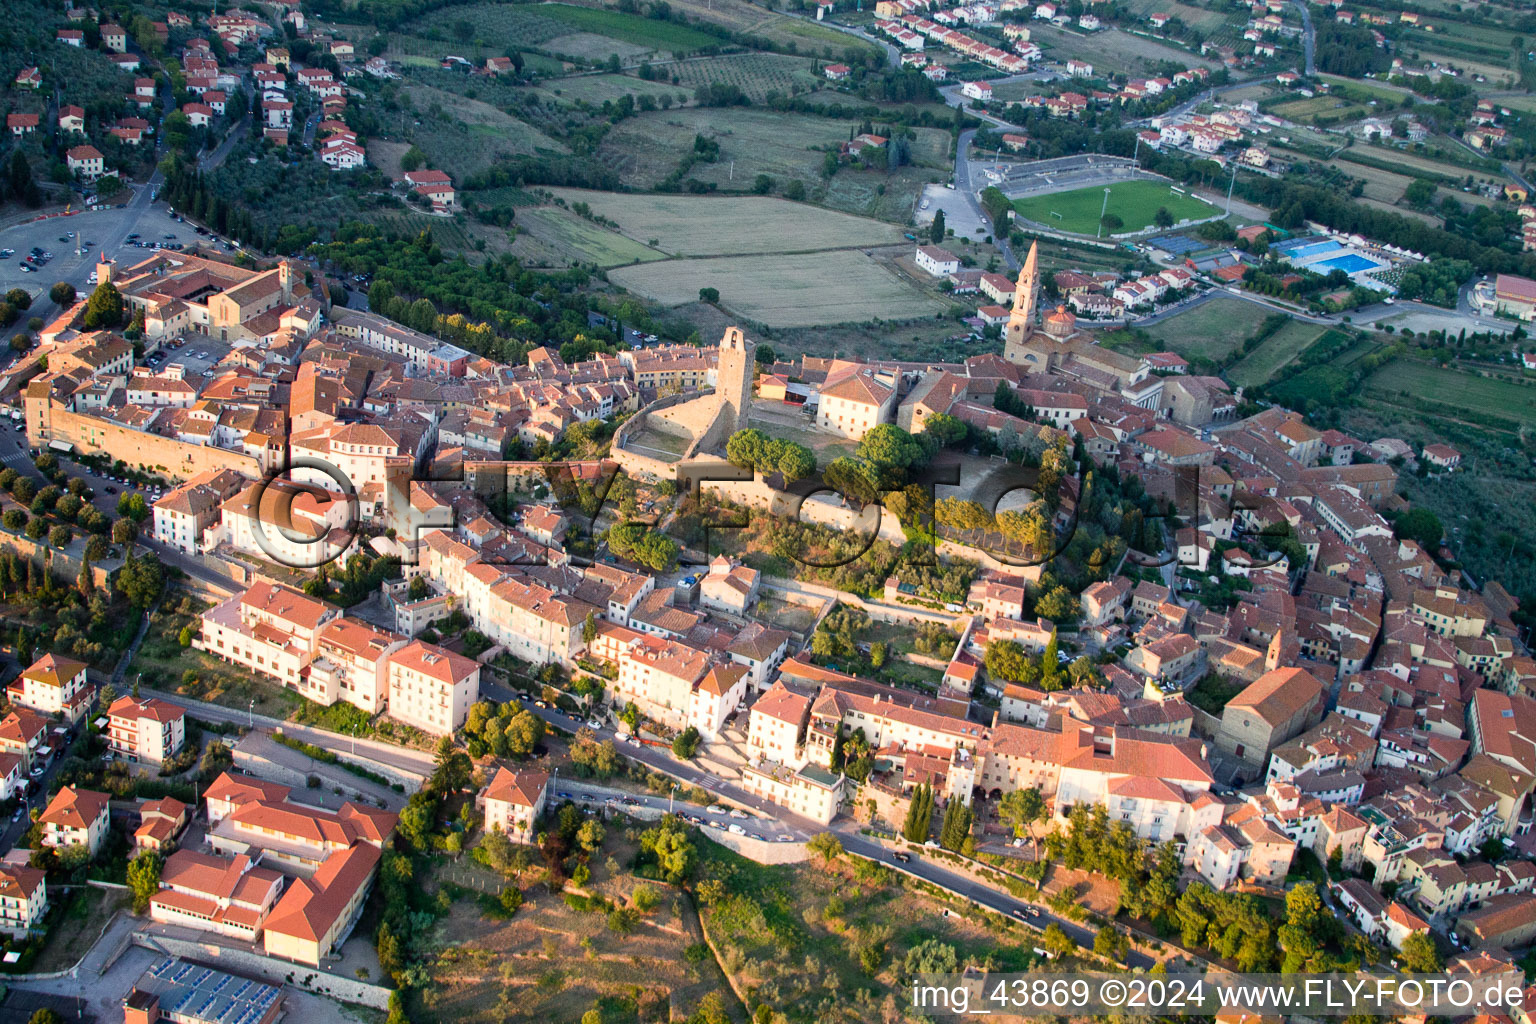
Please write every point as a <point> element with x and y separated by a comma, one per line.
<point>800,827</point>
<point>1308,36</point>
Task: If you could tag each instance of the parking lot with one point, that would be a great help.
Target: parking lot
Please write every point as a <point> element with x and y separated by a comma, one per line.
<point>195,355</point>
<point>108,231</point>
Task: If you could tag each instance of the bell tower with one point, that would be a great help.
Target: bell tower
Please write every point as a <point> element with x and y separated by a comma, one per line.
<point>1021,321</point>
<point>733,378</point>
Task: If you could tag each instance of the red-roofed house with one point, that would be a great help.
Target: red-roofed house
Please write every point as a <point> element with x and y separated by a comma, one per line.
<point>513,802</point>
<point>85,162</point>
<point>21,124</point>
<point>434,186</point>
<point>75,817</point>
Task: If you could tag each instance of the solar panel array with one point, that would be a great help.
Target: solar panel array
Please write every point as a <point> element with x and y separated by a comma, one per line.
<point>1178,245</point>
<point>193,993</point>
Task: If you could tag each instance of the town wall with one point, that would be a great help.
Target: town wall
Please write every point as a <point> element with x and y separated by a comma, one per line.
<point>165,455</point>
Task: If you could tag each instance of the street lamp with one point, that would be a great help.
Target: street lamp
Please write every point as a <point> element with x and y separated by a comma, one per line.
<point>670,796</point>
<point>251,714</point>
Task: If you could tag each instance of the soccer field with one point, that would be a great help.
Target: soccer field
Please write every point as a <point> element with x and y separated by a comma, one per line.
<point>1134,202</point>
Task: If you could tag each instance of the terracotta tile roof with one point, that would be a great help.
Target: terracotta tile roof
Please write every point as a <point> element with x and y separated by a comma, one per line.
<point>54,670</point>
<point>520,788</point>
<point>75,808</point>
<point>286,603</point>
<point>434,662</point>
<point>1277,695</point>
<point>152,708</point>
<point>238,789</point>
<point>311,906</point>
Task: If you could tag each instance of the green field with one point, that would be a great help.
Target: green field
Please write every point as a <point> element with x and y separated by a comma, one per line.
<point>729,225</point>
<point>755,74</point>
<point>1274,353</point>
<point>1212,330</point>
<point>1135,202</point>
<point>1410,384</point>
<point>630,28</point>
<point>579,240</point>
<point>841,286</point>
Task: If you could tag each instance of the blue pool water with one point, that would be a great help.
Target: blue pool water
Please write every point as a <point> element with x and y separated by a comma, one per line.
<point>1350,263</point>
<point>1303,252</point>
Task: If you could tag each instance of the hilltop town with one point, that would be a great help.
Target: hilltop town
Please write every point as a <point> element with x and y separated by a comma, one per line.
<point>711,511</point>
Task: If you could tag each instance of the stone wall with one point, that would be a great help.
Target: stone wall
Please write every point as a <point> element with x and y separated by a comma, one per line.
<point>64,563</point>
<point>164,455</point>
<point>279,972</point>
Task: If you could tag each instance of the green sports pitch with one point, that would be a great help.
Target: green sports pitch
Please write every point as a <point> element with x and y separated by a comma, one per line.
<point>1135,202</point>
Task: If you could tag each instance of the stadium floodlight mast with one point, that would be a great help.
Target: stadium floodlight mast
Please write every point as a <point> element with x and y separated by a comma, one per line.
<point>1230,184</point>
<point>1102,210</point>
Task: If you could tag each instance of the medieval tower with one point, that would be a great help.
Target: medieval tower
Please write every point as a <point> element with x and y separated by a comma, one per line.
<point>1021,321</point>
<point>733,379</point>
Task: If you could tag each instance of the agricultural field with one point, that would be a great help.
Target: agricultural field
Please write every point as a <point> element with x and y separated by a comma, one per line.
<point>1206,21</point>
<point>645,149</point>
<point>1382,186</point>
<point>599,89</point>
<point>1134,202</point>
<point>729,225</point>
<point>585,33</point>
<point>1324,109</point>
<point>1429,165</point>
<point>447,232</point>
<point>777,30</point>
<point>1324,383</point>
<point>1476,49</point>
<point>1212,330</point>
<point>1380,91</point>
<point>577,240</point>
<point>755,74</point>
<point>1404,383</point>
<point>786,291</point>
<point>1112,51</point>
<point>1274,354</point>
<point>458,134</point>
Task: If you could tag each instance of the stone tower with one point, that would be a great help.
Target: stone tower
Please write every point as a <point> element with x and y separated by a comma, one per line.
<point>1021,321</point>
<point>733,379</point>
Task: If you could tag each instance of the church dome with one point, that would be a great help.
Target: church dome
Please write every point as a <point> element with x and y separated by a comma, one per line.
<point>1061,323</point>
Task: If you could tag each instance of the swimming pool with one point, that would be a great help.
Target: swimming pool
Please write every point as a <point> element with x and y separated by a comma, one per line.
<point>1304,252</point>
<point>1350,263</point>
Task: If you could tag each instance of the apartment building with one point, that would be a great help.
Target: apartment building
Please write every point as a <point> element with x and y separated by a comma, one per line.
<point>53,686</point>
<point>350,663</point>
<point>23,898</point>
<point>149,730</point>
<point>810,791</point>
<point>270,629</point>
<point>513,802</point>
<point>182,516</point>
<point>431,688</point>
<point>75,817</point>
<point>776,726</point>
<point>22,733</point>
